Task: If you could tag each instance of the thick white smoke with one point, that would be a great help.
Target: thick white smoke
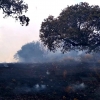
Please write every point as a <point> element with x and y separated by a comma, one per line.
<point>34,52</point>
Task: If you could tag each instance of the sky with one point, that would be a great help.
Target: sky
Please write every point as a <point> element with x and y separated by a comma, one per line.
<point>13,35</point>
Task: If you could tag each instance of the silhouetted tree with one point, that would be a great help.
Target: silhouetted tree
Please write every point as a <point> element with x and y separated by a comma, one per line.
<point>77,27</point>
<point>15,9</point>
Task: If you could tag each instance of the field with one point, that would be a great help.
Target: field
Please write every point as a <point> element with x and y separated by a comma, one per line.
<point>50,81</point>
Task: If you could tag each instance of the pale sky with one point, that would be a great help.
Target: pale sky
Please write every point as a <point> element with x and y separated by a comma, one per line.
<point>13,35</point>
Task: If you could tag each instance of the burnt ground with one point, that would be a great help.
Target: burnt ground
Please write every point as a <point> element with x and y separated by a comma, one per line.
<point>50,81</point>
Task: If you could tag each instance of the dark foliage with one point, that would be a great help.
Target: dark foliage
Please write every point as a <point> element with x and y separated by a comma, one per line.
<point>77,27</point>
<point>15,9</point>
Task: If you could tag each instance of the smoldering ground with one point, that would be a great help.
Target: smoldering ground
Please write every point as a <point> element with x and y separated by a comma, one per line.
<point>58,79</point>
<point>26,89</point>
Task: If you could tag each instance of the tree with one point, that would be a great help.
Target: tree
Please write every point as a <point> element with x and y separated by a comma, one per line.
<point>15,9</point>
<point>76,27</point>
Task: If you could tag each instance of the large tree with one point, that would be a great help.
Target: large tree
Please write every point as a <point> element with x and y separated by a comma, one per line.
<point>15,9</point>
<point>76,27</point>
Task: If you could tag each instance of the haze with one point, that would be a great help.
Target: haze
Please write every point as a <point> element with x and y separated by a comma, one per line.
<point>13,35</point>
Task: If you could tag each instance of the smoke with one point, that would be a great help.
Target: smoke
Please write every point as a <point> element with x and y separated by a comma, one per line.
<point>75,87</point>
<point>80,86</point>
<point>30,52</point>
<point>35,52</point>
<point>26,89</point>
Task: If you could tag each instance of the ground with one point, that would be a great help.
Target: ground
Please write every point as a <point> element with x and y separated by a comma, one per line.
<point>50,81</point>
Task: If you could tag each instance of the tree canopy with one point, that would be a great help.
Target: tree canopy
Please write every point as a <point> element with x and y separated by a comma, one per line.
<point>76,27</point>
<point>15,9</point>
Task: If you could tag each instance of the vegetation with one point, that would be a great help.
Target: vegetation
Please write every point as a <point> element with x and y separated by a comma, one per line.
<point>76,27</point>
<point>15,9</point>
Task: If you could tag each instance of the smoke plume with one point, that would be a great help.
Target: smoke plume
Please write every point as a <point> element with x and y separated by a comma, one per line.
<point>35,52</point>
